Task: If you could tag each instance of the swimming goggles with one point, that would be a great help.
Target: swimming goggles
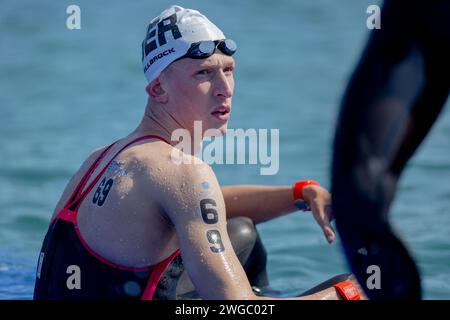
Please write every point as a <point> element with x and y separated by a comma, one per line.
<point>204,49</point>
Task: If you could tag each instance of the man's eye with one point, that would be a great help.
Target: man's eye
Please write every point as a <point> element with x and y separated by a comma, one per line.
<point>204,72</point>
<point>228,69</point>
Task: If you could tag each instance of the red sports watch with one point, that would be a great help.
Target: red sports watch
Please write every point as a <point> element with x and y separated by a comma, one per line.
<point>298,188</point>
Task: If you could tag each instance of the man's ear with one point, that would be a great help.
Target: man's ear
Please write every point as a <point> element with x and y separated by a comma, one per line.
<point>156,91</point>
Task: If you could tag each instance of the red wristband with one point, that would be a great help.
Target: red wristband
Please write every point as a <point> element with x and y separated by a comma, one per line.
<point>299,185</point>
<point>347,290</point>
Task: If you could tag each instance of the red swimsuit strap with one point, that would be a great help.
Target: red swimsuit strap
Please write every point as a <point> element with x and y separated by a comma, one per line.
<point>80,198</point>
<point>86,177</point>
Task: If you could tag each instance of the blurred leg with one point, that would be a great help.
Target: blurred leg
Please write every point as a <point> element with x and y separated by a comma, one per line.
<point>394,96</point>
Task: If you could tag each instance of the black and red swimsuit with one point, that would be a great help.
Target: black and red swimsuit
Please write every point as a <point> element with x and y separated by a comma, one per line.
<point>64,247</point>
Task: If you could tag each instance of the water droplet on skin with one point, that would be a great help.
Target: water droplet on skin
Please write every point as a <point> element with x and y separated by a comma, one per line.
<point>132,288</point>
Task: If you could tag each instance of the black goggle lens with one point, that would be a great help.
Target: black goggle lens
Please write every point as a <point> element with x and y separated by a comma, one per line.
<point>228,47</point>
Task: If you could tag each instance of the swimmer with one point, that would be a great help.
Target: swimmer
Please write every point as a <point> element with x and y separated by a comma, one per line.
<point>136,225</point>
<point>393,98</point>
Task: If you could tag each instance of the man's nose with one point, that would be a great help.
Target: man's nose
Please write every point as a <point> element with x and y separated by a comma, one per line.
<point>223,85</point>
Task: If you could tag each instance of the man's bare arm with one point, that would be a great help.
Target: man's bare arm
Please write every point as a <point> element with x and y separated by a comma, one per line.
<point>262,203</point>
<point>259,203</point>
<point>198,214</point>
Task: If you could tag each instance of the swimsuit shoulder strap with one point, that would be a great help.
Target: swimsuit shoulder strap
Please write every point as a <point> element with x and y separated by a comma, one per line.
<point>87,175</point>
<point>78,196</point>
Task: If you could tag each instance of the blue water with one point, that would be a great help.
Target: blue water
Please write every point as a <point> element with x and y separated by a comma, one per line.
<point>64,93</point>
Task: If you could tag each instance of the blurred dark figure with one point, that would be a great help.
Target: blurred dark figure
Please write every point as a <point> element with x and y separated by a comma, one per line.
<point>393,98</point>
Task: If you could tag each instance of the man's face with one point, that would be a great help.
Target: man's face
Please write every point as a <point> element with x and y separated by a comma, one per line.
<point>200,90</point>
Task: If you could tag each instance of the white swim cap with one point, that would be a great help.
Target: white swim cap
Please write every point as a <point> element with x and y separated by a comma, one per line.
<point>170,35</point>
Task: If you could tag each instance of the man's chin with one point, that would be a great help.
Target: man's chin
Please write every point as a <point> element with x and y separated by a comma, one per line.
<point>223,129</point>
